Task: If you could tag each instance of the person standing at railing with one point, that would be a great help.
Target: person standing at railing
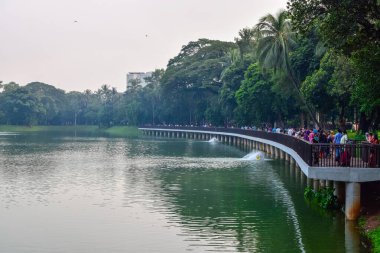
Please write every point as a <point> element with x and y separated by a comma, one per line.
<point>344,138</point>
<point>375,139</point>
<point>345,153</point>
<point>337,139</point>
<point>323,140</point>
<point>315,148</point>
<point>330,140</point>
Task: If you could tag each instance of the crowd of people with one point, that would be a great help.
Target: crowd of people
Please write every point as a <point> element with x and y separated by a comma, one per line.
<point>335,143</point>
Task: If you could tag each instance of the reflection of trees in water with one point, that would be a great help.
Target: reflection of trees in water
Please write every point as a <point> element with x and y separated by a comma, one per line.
<point>233,205</point>
<point>230,207</point>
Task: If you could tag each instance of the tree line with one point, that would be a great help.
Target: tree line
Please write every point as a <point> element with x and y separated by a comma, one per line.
<point>318,62</point>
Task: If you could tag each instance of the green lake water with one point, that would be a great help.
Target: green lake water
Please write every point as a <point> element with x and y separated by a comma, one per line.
<point>98,194</point>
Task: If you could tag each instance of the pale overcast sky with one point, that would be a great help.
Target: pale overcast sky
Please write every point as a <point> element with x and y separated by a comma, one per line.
<point>82,44</point>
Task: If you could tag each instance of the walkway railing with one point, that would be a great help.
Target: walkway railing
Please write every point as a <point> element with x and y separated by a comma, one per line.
<point>358,155</point>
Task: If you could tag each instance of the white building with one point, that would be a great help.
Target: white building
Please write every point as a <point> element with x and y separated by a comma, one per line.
<point>138,76</point>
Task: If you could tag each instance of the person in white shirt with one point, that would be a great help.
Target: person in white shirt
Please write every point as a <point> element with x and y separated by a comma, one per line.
<point>344,138</point>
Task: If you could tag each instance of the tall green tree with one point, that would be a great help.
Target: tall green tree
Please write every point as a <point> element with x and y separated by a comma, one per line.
<point>274,46</point>
<point>20,106</point>
<point>350,27</point>
<point>153,92</point>
<point>192,80</point>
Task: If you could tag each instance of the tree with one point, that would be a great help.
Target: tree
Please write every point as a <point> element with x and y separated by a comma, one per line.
<point>192,80</point>
<point>134,85</point>
<point>52,99</point>
<point>108,98</point>
<point>257,103</point>
<point>275,44</point>
<point>330,86</point>
<point>348,25</point>
<point>352,28</point>
<point>21,107</point>
<point>152,91</point>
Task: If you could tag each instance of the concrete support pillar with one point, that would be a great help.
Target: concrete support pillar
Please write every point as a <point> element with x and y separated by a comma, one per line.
<point>340,191</point>
<point>351,236</point>
<point>352,205</point>
<point>296,173</point>
<point>309,182</point>
<point>276,153</point>
<point>292,176</point>
<point>303,177</point>
<point>322,183</point>
<point>315,184</point>
<point>329,184</point>
<point>282,155</point>
<point>272,150</point>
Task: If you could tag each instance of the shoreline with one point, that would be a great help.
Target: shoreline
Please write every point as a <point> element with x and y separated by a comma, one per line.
<point>369,221</point>
<point>114,131</point>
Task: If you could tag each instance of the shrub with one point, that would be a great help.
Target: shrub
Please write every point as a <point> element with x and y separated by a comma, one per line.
<point>324,197</point>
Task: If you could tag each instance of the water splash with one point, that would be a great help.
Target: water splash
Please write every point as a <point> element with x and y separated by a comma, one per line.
<point>213,140</point>
<point>254,156</point>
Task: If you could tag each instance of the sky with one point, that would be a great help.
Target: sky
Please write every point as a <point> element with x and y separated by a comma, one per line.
<point>83,44</point>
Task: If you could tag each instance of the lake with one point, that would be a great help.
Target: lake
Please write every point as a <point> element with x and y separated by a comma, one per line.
<point>100,194</point>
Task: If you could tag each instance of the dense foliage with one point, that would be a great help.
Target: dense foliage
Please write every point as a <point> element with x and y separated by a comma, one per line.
<point>324,197</point>
<point>316,64</point>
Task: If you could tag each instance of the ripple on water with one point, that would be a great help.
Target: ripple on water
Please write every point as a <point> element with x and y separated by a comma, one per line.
<point>117,195</point>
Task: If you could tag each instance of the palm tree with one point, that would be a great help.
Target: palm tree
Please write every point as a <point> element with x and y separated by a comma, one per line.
<point>276,41</point>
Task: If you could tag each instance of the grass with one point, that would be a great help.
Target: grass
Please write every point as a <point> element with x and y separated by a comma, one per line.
<point>374,236</point>
<point>116,131</point>
<point>122,131</point>
<point>352,135</point>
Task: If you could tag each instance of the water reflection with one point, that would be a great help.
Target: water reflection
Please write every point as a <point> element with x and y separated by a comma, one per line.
<point>91,194</point>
